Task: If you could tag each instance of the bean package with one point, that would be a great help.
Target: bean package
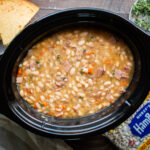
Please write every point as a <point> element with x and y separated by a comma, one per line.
<point>134,133</point>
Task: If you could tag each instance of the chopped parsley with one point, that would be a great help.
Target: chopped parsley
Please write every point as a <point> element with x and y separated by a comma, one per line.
<point>80,97</point>
<point>141,14</point>
<point>113,73</point>
<point>58,56</point>
<point>41,104</point>
<point>90,38</point>
<point>84,51</point>
<point>30,77</point>
<point>37,62</point>
<point>81,71</point>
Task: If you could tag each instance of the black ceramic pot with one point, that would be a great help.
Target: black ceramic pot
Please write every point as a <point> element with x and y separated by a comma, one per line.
<point>15,108</point>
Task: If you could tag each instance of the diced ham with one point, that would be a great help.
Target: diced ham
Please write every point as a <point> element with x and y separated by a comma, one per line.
<point>100,72</point>
<point>113,40</point>
<point>124,75</point>
<point>64,100</point>
<point>19,79</point>
<point>96,95</point>
<point>120,74</point>
<point>58,88</point>
<point>121,90</point>
<point>109,97</point>
<point>67,66</point>
<point>32,64</point>
<point>126,68</point>
<point>67,44</point>
<point>59,114</point>
<point>59,109</point>
<point>76,107</point>
<point>60,81</point>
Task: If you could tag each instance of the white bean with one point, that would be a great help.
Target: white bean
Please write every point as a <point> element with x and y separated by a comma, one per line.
<point>77,64</point>
<point>81,42</point>
<point>40,84</point>
<point>107,83</point>
<point>42,97</point>
<point>72,71</point>
<point>21,92</point>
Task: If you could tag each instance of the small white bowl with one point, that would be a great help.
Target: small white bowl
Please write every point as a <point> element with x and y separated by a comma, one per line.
<point>132,19</point>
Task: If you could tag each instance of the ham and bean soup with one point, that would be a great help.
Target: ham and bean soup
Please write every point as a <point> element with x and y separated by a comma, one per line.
<point>75,72</point>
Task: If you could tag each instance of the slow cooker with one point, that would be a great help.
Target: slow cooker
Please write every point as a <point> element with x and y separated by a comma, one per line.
<point>15,108</point>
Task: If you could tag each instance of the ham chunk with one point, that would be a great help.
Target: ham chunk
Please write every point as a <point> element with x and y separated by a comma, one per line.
<point>96,95</point>
<point>32,64</point>
<point>120,74</point>
<point>109,96</point>
<point>67,66</point>
<point>113,40</point>
<point>126,68</point>
<point>59,114</point>
<point>67,44</point>
<point>60,81</point>
<point>100,72</point>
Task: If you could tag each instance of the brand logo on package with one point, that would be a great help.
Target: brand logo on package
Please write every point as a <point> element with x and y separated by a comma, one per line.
<point>140,124</point>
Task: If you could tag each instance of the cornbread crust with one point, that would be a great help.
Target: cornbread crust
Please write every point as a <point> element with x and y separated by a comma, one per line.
<point>14,15</point>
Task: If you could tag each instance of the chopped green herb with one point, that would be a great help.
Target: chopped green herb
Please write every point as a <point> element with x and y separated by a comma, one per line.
<point>141,14</point>
<point>84,51</point>
<point>80,97</point>
<point>81,71</point>
<point>41,105</point>
<point>64,78</point>
<point>37,62</point>
<point>112,74</point>
<point>90,38</point>
<point>90,76</point>
<point>58,56</point>
<point>30,77</point>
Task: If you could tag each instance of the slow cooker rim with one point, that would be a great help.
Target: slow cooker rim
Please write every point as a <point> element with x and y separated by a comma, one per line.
<point>72,10</point>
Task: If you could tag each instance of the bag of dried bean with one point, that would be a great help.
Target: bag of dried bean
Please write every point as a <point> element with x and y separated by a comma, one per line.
<point>134,133</point>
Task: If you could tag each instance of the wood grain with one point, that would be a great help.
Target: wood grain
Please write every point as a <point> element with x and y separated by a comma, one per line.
<point>119,6</point>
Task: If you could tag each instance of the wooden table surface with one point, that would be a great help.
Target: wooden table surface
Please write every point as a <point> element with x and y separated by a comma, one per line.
<point>121,7</point>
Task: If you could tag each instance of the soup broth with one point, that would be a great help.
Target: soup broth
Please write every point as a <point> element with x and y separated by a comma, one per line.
<point>75,72</point>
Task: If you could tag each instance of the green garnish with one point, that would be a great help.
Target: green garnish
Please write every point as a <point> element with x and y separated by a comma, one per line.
<point>30,77</point>
<point>141,14</point>
<point>58,56</point>
<point>80,97</point>
<point>112,74</point>
<point>41,105</point>
<point>84,51</point>
<point>90,38</point>
<point>81,71</point>
<point>64,78</point>
<point>37,62</point>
